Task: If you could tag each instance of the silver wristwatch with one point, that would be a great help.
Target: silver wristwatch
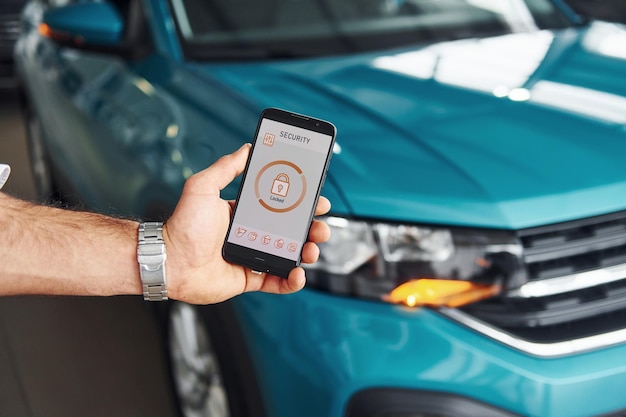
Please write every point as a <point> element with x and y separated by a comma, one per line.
<point>151,257</point>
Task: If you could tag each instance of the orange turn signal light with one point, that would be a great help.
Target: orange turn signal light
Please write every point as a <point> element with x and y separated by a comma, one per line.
<point>440,293</point>
<point>47,32</point>
<point>44,30</point>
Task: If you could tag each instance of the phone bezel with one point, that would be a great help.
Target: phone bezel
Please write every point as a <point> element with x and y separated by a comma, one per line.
<point>262,261</point>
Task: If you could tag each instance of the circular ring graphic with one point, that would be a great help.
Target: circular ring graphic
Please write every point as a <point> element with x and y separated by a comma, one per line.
<point>258,194</point>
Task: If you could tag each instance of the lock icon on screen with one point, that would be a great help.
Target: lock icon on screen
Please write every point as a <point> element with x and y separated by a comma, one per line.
<point>280,186</point>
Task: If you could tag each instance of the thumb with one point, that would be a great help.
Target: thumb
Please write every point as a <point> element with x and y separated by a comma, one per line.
<point>223,171</point>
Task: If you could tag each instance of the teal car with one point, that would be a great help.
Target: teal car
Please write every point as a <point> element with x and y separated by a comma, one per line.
<point>477,265</point>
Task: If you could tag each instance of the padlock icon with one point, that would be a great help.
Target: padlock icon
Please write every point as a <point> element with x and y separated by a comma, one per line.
<point>280,186</point>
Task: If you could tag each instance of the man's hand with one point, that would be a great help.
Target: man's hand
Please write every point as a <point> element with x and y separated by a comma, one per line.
<point>194,235</point>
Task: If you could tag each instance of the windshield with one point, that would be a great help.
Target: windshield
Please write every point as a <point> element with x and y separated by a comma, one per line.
<point>293,28</point>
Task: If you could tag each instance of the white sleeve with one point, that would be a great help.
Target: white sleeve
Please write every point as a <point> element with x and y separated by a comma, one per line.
<point>5,170</point>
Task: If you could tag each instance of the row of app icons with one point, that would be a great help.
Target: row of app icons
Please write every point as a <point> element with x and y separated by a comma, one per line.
<point>266,239</point>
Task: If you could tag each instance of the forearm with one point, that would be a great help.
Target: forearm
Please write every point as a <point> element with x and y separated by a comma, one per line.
<point>45,250</point>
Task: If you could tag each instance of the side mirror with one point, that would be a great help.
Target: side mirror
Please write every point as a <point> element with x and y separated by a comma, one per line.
<point>84,25</point>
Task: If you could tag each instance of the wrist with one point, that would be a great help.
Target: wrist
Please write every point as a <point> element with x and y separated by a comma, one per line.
<point>171,268</point>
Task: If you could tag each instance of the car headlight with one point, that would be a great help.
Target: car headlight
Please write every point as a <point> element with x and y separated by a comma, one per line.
<point>351,245</point>
<point>415,264</point>
<point>401,243</point>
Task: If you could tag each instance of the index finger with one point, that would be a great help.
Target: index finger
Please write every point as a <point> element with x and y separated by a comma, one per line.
<point>323,206</point>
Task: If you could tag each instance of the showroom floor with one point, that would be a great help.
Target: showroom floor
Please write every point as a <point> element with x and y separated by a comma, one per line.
<point>74,356</point>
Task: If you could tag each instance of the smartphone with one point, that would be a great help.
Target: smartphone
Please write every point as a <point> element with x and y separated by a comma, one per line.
<point>280,187</point>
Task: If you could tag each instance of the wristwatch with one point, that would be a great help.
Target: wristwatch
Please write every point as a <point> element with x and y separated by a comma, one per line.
<point>151,257</point>
<point>5,170</point>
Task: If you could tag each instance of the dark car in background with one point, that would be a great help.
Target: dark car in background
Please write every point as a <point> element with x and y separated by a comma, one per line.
<point>477,266</point>
<point>9,31</point>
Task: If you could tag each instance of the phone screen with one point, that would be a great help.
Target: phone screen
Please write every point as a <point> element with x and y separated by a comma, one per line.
<point>280,188</point>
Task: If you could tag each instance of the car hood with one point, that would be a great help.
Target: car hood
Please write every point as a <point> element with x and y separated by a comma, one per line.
<point>506,132</point>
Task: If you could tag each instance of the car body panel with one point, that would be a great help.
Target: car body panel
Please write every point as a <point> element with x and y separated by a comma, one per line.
<point>454,131</point>
<point>163,30</point>
<point>465,180</point>
<point>336,346</point>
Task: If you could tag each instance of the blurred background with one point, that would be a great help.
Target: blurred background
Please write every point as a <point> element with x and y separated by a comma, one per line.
<point>67,356</point>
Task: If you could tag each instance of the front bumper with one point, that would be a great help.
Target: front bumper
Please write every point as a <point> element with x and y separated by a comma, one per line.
<point>314,352</point>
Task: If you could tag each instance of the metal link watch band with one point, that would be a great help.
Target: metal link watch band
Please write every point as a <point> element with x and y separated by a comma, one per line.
<point>151,257</point>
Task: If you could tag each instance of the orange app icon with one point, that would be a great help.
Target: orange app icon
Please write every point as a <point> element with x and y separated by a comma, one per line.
<point>252,236</point>
<point>292,247</point>
<point>241,231</point>
<point>279,244</point>
<point>266,240</point>
<point>268,139</point>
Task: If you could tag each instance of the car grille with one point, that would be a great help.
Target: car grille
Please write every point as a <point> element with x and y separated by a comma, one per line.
<point>575,287</point>
<point>9,30</point>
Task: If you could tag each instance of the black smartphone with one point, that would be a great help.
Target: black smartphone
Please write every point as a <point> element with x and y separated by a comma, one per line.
<point>279,191</point>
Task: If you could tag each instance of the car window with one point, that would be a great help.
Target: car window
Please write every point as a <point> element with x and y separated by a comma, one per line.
<point>609,10</point>
<point>291,28</point>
